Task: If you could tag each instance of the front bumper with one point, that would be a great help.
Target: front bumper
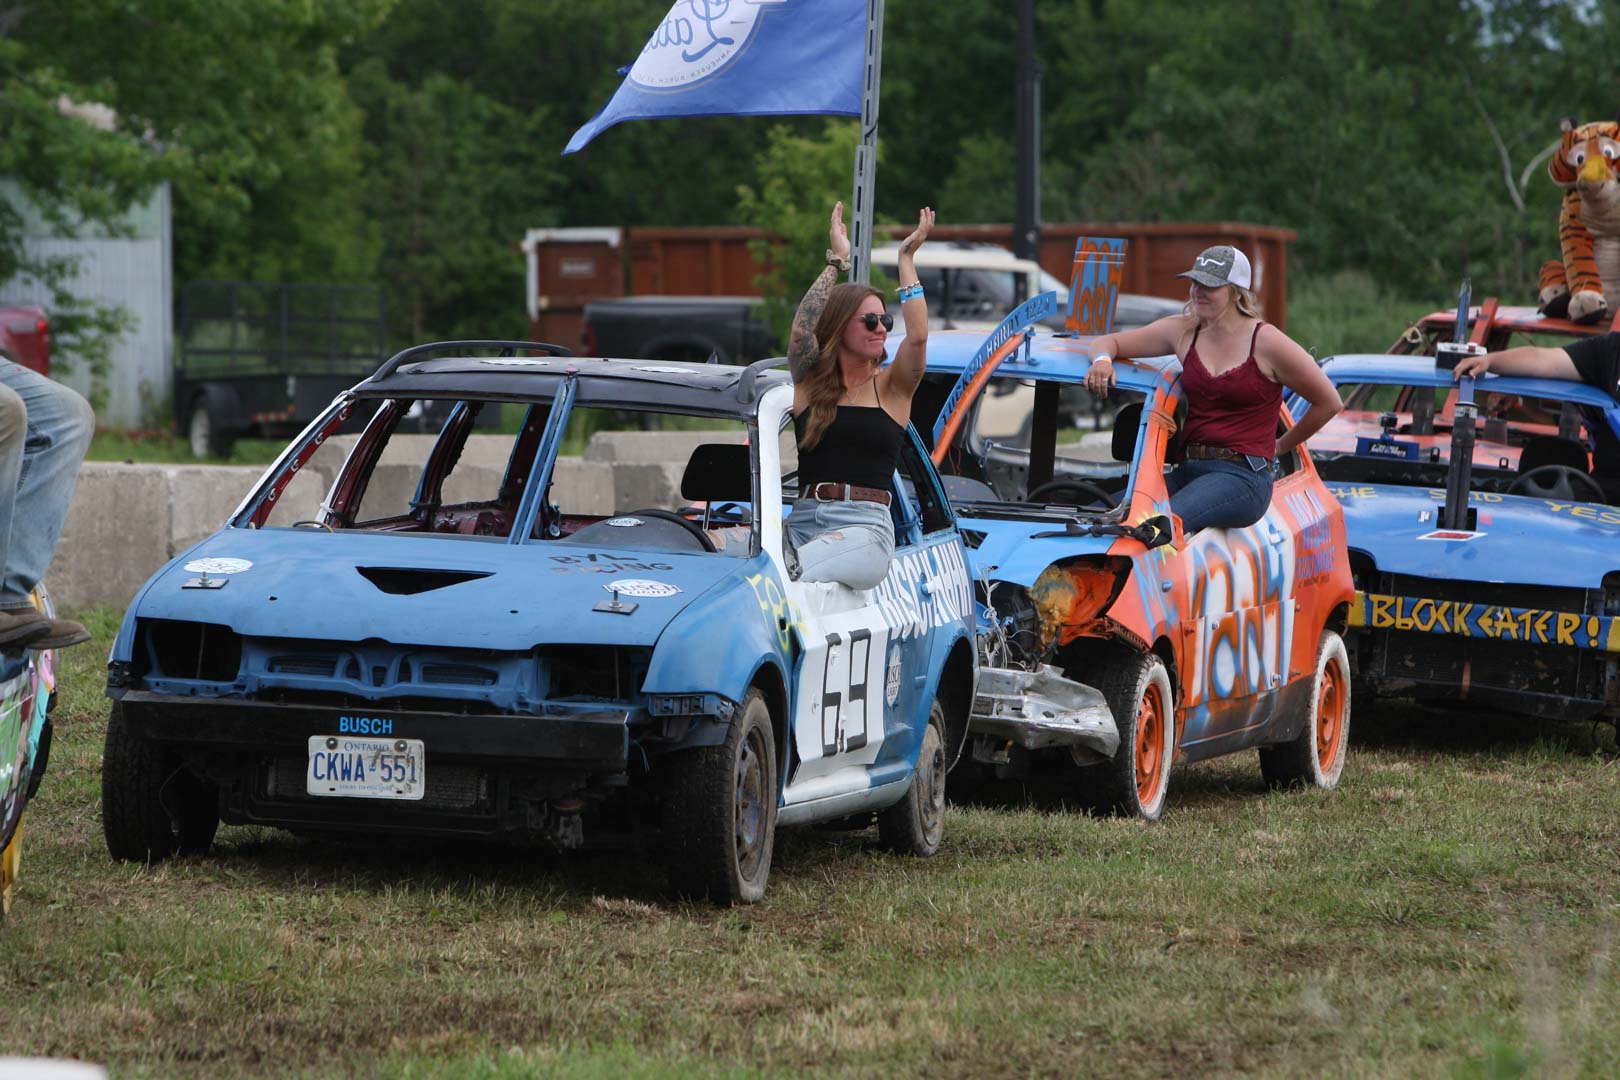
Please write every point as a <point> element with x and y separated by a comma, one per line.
<point>1037,710</point>
<point>1536,661</point>
<point>595,740</point>
<point>486,775</point>
<point>1490,622</point>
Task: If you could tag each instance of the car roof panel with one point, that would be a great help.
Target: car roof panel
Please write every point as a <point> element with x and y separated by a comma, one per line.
<point>676,385</point>
<point>1052,359</point>
<point>1422,371</point>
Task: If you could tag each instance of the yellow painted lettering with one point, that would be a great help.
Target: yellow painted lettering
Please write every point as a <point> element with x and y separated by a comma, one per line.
<point>1539,626</point>
<point>1459,619</point>
<point>1403,615</point>
<point>1382,616</point>
<point>1585,513</point>
<point>1567,623</point>
<point>1424,614</point>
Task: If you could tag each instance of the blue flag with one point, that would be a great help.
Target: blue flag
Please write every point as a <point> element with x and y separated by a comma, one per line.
<point>744,58</point>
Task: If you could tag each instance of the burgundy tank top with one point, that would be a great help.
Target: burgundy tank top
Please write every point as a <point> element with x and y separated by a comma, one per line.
<point>1236,409</point>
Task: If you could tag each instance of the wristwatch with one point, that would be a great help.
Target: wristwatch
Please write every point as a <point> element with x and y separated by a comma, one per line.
<point>840,262</point>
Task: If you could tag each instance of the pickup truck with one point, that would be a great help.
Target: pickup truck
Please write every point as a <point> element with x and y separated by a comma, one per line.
<point>25,336</point>
<point>970,287</point>
<point>729,329</point>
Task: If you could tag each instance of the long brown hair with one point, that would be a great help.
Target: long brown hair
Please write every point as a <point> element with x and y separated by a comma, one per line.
<point>825,384</point>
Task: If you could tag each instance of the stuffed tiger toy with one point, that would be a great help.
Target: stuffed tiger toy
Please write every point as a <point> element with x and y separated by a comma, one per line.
<point>1585,284</point>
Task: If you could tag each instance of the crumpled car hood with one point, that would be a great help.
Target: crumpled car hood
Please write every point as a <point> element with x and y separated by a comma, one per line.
<point>431,591</point>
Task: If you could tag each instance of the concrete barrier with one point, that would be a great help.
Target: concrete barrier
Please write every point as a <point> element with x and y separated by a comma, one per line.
<point>127,520</point>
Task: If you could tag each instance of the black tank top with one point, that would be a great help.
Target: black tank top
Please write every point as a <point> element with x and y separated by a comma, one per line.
<point>861,446</point>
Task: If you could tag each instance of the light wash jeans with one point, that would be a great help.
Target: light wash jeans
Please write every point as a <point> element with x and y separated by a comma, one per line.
<point>848,542</point>
<point>45,429</point>
<point>1207,492</point>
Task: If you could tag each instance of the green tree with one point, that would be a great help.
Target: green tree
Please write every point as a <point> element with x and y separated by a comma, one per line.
<point>453,182</point>
<point>240,105</point>
<point>799,177</point>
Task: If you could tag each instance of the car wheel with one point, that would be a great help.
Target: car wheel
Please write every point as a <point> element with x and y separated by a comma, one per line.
<point>206,432</point>
<point>1135,782</point>
<point>1315,757</point>
<point>719,812</point>
<point>152,807</point>
<point>916,824</point>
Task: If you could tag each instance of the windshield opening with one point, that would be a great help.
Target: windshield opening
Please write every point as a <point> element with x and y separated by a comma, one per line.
<point>623,479</point>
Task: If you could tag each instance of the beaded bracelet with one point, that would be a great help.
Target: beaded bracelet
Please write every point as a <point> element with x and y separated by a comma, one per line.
<point>913,291</point>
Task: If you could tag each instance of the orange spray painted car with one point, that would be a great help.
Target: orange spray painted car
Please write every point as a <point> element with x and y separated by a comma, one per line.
<point>1107,635</point>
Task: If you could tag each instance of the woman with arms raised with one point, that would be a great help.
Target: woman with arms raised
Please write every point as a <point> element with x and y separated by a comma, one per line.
<point>1234,366</point>
<point>850,413</point>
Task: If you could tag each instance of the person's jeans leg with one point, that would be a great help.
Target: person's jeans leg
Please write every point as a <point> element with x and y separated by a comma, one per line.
<point>59,426</point>
<point>850,543</point>
<point>1218,494</point>
<point>13,432</point>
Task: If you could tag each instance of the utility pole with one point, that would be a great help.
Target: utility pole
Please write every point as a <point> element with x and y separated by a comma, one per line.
<point>861,209</point>
<point>1027,212</point>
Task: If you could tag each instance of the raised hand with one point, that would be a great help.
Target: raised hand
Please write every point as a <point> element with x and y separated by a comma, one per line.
<point>837,235</point>
<point>925,222</point>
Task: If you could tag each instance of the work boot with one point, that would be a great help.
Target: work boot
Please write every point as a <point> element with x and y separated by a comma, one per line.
<point>22,626</point>
<point>60,633</point>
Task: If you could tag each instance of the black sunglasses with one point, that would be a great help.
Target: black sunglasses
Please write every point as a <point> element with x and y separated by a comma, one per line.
<point>871,319</point>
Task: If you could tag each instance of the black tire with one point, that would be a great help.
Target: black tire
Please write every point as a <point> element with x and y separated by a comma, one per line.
<point>719,811</point>
<point>1315,757</point>
<point>916,824</point>
<point>1136,781</point>
<point>207,427</point>
<point>152,807</point>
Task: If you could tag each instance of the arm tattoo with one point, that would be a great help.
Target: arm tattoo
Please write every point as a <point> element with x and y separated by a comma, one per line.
<point>803,350</point>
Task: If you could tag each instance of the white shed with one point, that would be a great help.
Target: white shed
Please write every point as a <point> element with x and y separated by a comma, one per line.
<point>132,269</point>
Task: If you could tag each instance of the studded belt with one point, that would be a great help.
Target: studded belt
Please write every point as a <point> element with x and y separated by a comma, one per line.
<point>829,492</point>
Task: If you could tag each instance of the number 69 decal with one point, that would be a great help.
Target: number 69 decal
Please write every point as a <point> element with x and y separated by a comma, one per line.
<point>843,693</point>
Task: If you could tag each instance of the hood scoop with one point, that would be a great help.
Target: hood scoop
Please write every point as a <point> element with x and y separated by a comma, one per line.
<point>405,581</point>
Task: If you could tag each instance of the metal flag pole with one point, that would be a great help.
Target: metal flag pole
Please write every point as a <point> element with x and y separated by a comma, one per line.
<point>860,203</point>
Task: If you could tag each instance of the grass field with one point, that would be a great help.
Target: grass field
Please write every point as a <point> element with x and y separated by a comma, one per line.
<point>1452,910</point>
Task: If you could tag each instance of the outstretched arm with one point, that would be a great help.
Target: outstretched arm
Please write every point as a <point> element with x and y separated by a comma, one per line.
<point>1535,360</point>
<point>1157,338</point>
<point>802,347</point>
<point>912,359</point>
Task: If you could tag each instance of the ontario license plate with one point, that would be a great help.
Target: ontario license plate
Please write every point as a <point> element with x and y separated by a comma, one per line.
<point>358,768</point>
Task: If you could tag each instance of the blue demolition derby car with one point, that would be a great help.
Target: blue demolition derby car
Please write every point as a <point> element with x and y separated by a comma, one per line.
<point>400,634</point>
<point>1483,518</point>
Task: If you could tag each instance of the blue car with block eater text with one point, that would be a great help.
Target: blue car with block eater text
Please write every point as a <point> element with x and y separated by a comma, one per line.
<point>1483,520</point>
<point>460,635</point>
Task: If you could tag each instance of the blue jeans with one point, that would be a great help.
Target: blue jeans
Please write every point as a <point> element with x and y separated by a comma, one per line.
<point>1209,493</point>
<point>848,542</point>
<point>45,429</point>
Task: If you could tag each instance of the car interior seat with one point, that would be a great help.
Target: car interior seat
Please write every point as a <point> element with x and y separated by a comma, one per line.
<point>718,473</point>
<point>1544,450</point>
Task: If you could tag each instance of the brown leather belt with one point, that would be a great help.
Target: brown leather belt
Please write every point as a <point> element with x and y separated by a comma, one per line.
<point>829,492</point>
<point>1217,453</point>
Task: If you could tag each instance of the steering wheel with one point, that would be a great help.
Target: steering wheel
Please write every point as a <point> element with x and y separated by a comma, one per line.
<point>686,523</point>
<point>1558,482</point>
<point>721,512</point>
<point>1068,485</point>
